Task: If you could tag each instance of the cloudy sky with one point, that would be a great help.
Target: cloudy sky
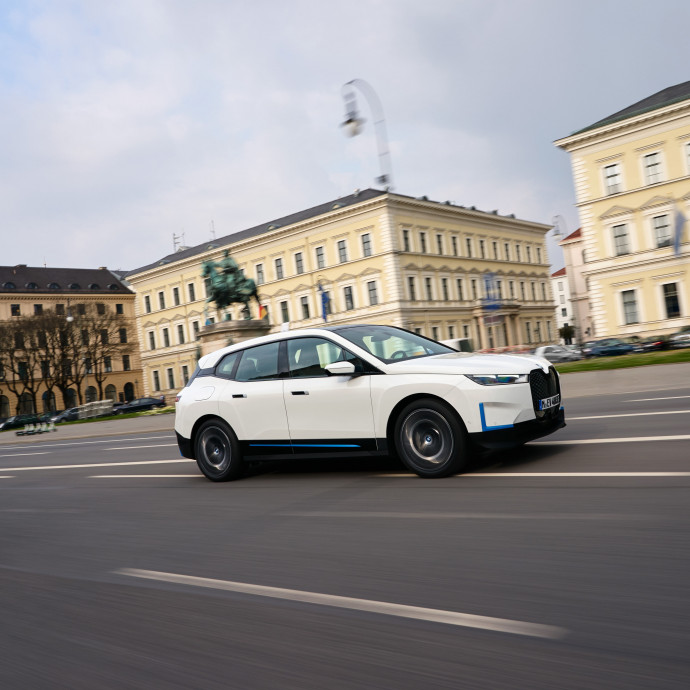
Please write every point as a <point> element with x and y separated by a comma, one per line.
<point>125,123</point>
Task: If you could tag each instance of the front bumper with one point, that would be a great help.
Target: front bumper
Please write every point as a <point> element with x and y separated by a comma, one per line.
<point>520,433</point>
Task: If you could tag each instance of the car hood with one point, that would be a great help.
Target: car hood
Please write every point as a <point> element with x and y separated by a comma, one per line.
<point>469,363</point>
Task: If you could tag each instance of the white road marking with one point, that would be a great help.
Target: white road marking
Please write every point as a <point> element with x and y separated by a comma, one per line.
<point>94,464</point>
<point>6,476</point>
<point>145,476</point>
<point>160,445</point>
<point>549,474</point>
<point>21,455</point>
<point>84,443</point>
<point>460,516</point>
<point>673,397</point>
<point>630,414</point>
<point>466,620</point>
<point>623,439</point>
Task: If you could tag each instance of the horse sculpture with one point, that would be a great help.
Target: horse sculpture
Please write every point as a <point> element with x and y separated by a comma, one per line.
<point>226,284</point>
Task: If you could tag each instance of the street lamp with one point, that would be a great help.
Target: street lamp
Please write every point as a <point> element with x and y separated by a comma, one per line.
<point>558,221</point>
<point>354,124</point>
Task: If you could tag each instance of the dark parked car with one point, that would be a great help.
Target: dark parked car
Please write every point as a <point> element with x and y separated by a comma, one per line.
<point>19,421</point>
<point>70,415</point>
<point>681,338</point>
<point>655,342</point>
<point>609,347</point>
<point>140,404</point>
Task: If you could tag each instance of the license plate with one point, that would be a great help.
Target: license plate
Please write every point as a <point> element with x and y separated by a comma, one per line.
<point>546,403</point>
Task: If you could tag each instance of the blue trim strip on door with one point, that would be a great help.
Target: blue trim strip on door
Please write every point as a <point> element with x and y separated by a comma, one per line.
<point>304,445</point>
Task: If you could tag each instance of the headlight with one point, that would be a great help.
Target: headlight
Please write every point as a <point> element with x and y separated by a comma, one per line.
<point>498,379</point>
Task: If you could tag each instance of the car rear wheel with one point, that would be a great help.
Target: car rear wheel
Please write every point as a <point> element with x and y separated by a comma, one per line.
<point>217,451</point>
<point>430,440</point>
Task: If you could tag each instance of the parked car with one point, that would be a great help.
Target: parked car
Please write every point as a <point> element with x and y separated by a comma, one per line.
<point>557,353</point>
<point>633,341</point>
<point>655,342</point>
<point>609,347</point>
<point>587,348</point>
<point>70,415</point>
<point>681,338</point>
<point>139,405</point>
<point>18,421</point>
<point>360,389</point>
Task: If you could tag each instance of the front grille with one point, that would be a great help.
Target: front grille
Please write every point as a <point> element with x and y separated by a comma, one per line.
<point>543,386</point>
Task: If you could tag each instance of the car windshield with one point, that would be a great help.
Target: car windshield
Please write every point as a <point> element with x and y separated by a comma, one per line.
<point>391,344</point>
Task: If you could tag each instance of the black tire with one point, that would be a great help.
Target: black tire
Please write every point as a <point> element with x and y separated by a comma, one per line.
<point>218,452</point>
<point>430,440</point>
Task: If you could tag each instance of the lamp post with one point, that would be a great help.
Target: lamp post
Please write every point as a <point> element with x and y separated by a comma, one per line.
<point>353,124</point>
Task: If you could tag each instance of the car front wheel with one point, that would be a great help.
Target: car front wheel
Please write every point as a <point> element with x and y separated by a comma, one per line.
<point>430,440</point>
<point>217,451</point>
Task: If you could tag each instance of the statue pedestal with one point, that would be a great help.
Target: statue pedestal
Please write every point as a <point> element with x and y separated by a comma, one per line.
<point>218,335</point>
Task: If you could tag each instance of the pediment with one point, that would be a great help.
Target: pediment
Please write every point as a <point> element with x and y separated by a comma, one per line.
<point>178,317</point>
<point>656,201</point>
<point>616,211</point>
<point>148,324</point>
<point>194,312</point>
<point>411,267</point>
<point>474,269</point>
<point>163,320</point>
<point>302,287</point>
<point>445,268</point>
<point>370,271</point>
<point>280,293</point>
<point>345,276</point>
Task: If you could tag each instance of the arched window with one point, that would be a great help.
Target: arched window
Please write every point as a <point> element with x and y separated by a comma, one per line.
<point>4,406</point>
<point>74,286</point>
<point>49,401</point>
<point>26,404</point>
<point>9,285</point>
<point>110,392</point>
<point>94,286</point>
<point>31,286</point>
<point>53,286</point>
<point>91,394</point>
<point>129,391</point>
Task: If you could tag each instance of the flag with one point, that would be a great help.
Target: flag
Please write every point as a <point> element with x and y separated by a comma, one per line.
<point>679,224</point>
<point>325,299</point>
<point>263,311</point>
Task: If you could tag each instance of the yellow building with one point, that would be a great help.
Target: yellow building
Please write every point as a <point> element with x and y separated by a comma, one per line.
<point>379,257</point>
<point>632,178</point>
<point>109,369</point>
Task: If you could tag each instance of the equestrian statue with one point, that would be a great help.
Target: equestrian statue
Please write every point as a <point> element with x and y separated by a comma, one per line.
<point>226,284</point>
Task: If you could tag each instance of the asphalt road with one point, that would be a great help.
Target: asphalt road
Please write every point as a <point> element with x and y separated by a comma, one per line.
<point>563,564</point>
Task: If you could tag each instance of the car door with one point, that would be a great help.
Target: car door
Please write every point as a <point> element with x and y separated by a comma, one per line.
<point>326,413</point>
<point>251,399</point>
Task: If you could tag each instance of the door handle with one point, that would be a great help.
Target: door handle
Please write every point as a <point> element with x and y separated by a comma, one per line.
<point>300,392</point>
<point>239,395</point>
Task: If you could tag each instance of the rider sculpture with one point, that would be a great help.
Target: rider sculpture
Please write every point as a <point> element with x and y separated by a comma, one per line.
<point>226,284</point>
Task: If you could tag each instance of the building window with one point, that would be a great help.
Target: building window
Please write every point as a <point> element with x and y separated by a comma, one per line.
<point>119,308</point>
<point>366,244</point>
<point>652,168</point>
<point>422,242</point>
<point>180,333</point>
<point>537,331</point>
<point>671,300</point>
<point>451,332</point>
<point>495,248</point>
<point>126,366</point>
<point>468,244</point>
<point>60,309</point>
<point>562,299</point>
<point>156,381</point>
<point>192,292</point>
<point>482,251</point>
<point>161,300</point>
<point>511,289</point>
<point>108,364</point>
<point>444,289</point>
<point>176,296</point>
<point>560,286</point>
<point>373,295</point>
<point>299,263</point>
<point>528,330</point>
<point>279,269</point>
<point>473,285</point>
<point>534,292</point>
<point>434,333</point>
<point>629,307</point>
<point>466,331</point>
<point>439,243</point>
<point>105,339</point>
<point>320,258</point>
<point>171,378</point>
<point>543,291</point>
<point>564,312</point>
<point>166,337</point>
<point>662,231</point>
<point>411,289</point>
<point>122,332</point>
<point>539,257</point>
<point>342,251</point>
<point>427,286</point>
<point>185,374</point>
<point>15,310</point>
<point>260,277</point>
<point>195,329</point>
<point>518,258</point>
<point>406,240</point>
<point>349,299</point>
<point>152,340</point>
<point>522,291</point>
<point>612,178</point>
<point>506,251</point>
<point>620,240</point>
<point>304,302</point>
<point>499,289</point>
<point>458,282</point>
<point>454,245</point>
<point>38,309</point>
<point>529,254</point>
<point>548,331</point>
<point>284,312</point>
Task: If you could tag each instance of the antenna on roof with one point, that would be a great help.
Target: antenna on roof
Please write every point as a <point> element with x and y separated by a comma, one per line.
<point>213,231</point>
<point>178,241</point>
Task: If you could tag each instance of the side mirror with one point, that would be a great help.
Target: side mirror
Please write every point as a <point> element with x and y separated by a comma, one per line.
<point>341,369</point>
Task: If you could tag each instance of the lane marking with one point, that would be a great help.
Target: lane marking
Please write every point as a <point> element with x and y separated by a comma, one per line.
<point>549,474</point>
<point>672,397</point>
<point>145,476</point>
<point>86,443</point>
<point>94,464</point>
<point>630,414</point>
<point>21,455</point>
<point>6,476</point>
<point>624,439</point>
<point>466,620</point>
<point>461,516</point>
<point>160,445</point>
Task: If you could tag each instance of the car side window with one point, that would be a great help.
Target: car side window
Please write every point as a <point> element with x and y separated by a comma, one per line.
<point>259,363</point>
<point>226,365</point>
<point>308,357</point>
